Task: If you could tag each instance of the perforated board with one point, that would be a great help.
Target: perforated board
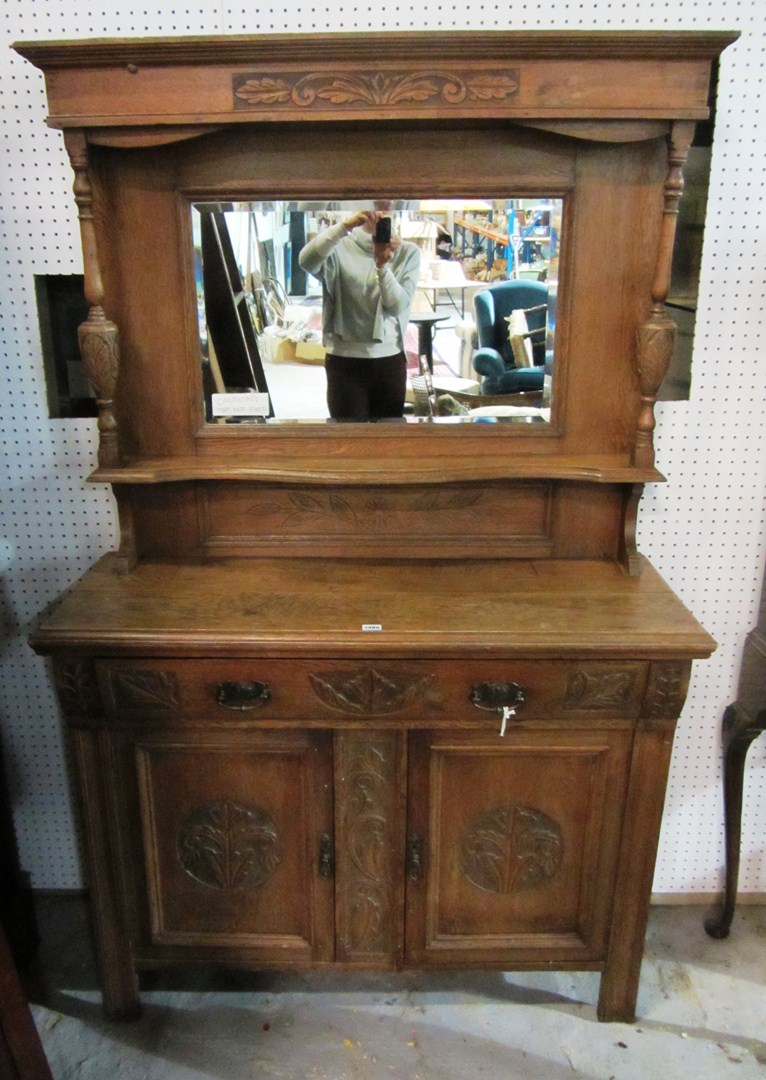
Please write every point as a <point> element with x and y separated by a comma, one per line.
<point>704,529</point>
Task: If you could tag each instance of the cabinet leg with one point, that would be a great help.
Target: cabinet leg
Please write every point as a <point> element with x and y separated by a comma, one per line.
<point>119,982</point>
<point>643,814</point>
<point>739,732</point>
<point>119,993</point>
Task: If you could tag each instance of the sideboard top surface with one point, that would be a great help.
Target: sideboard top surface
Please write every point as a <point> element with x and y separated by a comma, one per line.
<point>424,608</point>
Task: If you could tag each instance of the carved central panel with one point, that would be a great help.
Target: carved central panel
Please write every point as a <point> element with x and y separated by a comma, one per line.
<point>373,89</point>
<point>511,848</point>
<point>226,846</point>
<point>369,691</point>
<point>366,793</point>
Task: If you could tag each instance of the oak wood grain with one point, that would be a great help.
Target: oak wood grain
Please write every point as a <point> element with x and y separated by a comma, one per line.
<point>272,607</point>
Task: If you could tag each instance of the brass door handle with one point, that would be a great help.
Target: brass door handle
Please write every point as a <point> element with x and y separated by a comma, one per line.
<point>414,857</point>
<point>326,862</point>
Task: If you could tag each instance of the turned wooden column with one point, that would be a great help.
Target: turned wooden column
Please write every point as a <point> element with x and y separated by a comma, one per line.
<point>657,334</point>
<point>98,336</point>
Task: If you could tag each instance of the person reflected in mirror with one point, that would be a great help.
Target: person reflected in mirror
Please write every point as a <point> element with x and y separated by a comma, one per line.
<point>367,289</point>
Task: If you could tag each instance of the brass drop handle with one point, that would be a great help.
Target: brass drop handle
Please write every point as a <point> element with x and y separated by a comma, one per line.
<point>326,863</point>
<point>503,698</point>
<point>242,696</point>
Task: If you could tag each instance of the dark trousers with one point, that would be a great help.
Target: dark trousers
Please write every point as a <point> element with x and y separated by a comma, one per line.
<point>361,388</point>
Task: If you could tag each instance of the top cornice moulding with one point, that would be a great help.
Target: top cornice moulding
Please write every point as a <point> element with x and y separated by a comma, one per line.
<point>378,47</point>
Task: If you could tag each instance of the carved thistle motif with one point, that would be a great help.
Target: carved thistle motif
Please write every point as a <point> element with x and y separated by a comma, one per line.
<point>599,689</point>
<point>145,690</point>
<point>666,692</point>
<point>77,687</point>
<point>366,794</point>
<point>229,846</point>
<point>369,691</point>
<point>372,89</point>
<point>511,848</point>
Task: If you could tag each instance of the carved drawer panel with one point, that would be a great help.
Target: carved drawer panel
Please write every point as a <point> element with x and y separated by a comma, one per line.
<point>388,692</point>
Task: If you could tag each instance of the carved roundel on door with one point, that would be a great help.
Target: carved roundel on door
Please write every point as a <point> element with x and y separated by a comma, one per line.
<point>226,845</point>
<point>511,848</point>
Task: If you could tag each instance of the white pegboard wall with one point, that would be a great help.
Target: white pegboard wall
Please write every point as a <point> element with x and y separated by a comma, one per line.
<point>703,530</point>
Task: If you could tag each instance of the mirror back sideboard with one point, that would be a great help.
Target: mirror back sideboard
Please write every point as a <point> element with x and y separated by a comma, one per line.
<point>375,695</point>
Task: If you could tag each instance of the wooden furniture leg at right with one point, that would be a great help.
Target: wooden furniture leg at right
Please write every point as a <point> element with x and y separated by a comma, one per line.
<point>739,731</point>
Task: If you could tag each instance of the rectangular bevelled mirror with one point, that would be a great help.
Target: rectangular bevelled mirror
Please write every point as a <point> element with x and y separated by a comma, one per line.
<point>477,326</point>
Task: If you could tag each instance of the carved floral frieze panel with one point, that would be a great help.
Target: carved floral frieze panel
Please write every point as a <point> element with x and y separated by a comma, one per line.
<point>373,89</point>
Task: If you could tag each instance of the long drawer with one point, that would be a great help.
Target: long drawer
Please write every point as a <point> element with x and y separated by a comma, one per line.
<point>338,692</point>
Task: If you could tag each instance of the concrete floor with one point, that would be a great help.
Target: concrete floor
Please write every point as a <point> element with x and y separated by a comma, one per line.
<point>702,1013</point>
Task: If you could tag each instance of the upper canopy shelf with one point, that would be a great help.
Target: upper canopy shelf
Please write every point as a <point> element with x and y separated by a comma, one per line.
<point>541,75</point>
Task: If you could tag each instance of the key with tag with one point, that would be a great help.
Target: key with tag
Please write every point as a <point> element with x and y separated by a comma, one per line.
<point>506,715</point>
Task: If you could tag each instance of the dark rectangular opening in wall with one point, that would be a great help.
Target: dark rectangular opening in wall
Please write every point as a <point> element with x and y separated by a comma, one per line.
<point>61,307</point>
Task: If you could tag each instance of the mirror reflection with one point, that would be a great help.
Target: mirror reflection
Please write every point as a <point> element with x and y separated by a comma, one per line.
<point>418,311</point>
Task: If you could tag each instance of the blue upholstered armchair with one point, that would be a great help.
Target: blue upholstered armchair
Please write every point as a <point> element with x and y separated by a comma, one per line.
<point>494,358</point>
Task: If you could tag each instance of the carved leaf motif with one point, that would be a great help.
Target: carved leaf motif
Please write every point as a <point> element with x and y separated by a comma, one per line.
<point>493,87</point>
<point>343,91</point>
<point>511,848</point>
<point>100,356</point>
<point>368,691</point>
<point>436,500</point>
<point>655,351</point>
<point>368,911</point>
<point>226,846</point>
<point>666,692</point>
<point>334,505</point>
<point>365,812</point>
<point>77,688</point>
<point>598,689</point>
<point>145,689</point>
<point>266,91</point>
<point>375,89</point>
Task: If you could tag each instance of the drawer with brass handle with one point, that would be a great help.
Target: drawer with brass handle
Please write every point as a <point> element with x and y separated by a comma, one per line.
<point>389,692</point>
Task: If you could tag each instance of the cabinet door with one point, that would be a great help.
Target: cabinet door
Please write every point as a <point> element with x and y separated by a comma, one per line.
<point>512,846</point>
<point>237,835</point>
